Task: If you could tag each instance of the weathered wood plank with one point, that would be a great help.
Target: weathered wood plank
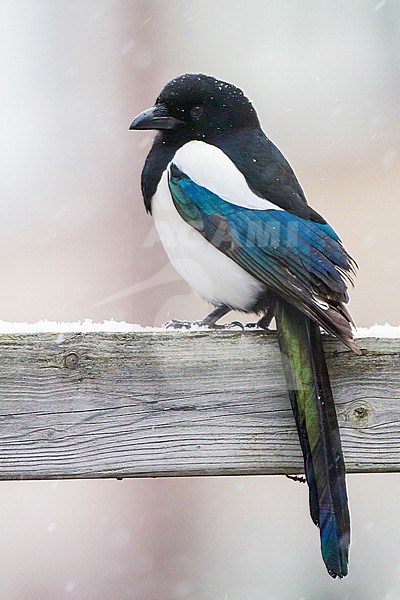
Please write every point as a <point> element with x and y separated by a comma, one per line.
<point>152,404</point>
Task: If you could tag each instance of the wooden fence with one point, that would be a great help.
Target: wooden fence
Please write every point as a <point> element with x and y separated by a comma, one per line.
<point>179,404</point>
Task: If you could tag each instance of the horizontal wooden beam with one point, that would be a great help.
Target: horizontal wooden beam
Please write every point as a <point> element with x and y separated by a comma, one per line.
<point>172,403</point>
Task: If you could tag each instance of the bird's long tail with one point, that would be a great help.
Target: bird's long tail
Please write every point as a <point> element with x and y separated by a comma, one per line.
<point>311,397</point>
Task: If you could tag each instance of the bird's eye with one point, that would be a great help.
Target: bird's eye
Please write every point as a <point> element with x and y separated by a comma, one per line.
<point>196,112</point>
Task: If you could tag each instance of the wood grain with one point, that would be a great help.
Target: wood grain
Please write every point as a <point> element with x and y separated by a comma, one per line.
<point>199,403</point>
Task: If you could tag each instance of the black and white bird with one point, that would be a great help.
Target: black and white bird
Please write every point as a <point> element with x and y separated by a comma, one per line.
<point>236,226</point>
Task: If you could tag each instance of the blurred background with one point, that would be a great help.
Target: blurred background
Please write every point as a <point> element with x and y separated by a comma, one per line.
<point>76,243</point>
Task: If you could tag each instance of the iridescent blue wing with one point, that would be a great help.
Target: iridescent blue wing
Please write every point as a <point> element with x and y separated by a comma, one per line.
<point>303,261</point>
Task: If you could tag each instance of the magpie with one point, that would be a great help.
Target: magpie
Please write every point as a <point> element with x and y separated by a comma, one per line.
<point>236,226</point>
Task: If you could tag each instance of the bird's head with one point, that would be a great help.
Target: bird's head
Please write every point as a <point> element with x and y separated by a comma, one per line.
<point>196,106</point>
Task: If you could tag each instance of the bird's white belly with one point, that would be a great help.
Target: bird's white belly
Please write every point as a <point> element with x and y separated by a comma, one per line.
<point>210,273</point>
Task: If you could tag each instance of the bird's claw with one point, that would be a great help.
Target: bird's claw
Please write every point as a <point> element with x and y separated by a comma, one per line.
<point>234,325</point>
<point>257,325</point>
<point>253,325</point>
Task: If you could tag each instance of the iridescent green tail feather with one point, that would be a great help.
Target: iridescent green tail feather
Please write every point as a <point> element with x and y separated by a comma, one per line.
<point>311,397</point>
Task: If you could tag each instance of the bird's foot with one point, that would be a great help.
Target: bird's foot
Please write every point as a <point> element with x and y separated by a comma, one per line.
<point>178,324</point>
<point>264,322</point>
<point>256,325</point>
<point>260,324</point>
<point>232,325</point>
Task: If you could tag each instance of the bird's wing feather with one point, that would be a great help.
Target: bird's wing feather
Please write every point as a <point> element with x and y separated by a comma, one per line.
<point>302,261</point>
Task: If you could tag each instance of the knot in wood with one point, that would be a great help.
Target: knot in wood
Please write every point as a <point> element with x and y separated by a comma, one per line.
<point>359,414</point>
<point>71,361</point>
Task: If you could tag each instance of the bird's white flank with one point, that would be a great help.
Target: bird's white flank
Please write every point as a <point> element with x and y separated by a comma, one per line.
<point>214,276</point>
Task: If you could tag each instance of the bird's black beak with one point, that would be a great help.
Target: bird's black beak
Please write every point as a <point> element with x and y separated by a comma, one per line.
<point>156,117</point>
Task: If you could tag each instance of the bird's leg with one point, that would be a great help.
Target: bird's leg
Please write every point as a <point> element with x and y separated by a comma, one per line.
<point>211,319</point>
<point>208,321</point>
<point>219,312</point>
<point>214,316</point>
<point>265,320</point>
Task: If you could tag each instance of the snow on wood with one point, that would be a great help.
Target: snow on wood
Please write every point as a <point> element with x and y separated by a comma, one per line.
<point>379,331</point>
<point>87,325</point>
